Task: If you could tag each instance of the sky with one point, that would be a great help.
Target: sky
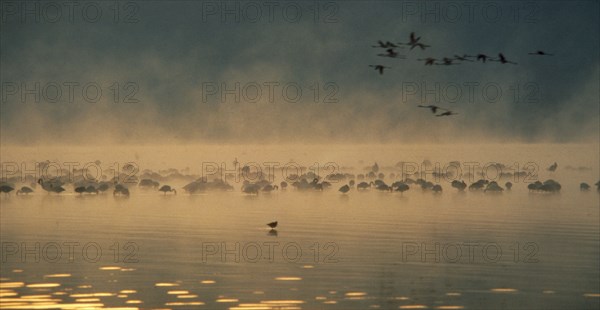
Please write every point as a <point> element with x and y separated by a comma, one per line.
<point>296,71</point>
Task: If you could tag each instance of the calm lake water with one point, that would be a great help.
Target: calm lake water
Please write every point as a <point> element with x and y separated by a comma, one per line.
<point>418,250</point>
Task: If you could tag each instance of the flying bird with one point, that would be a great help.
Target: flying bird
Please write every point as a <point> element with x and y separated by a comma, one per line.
<point>463,58</point>
<point>386,44</point>
<point>421,45</point>
<point>447,62</point>
<point>413,39</point>
<point>379,68</point>
<point>483,57</point>
<point>390,53</point>
<point>503,60</point>
<point>541,53</point>
<point>414,42</point>
<point>447,113</point>
<point>428,61</point>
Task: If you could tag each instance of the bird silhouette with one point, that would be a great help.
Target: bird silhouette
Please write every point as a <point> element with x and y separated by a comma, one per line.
<point>386,44</point>
<point>363,185</point>
<point>433,108</point>
<point>390,52</point>
<point>25,190</point>
<point>54,186</point>
<point>553,167</point>
<point>413,39</point>
<point>463,58</point>
<point>272,225</point>
<point>420,45</point>
<point>483,57</point>
<point>6,189</point>
<point>447,62</point>
<point>379,68</point>
<point>91,190</point>
<point>447,113</point>
<point>344,189</point>
<point>503,60</point>
<point>460,185</point>
<point>414,42</point>
<point>402,187</point>
<point>541,53</point>
<point>166,188</point>
<point>428,61</point>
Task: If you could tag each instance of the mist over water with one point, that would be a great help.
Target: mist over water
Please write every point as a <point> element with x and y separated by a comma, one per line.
<point>187,73</point>
<point>245,155</point>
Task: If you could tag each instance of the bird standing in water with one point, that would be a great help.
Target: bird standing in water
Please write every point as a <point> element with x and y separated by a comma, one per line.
<point>6,189</point>
<point>344,189</point>
<point>167,188</point>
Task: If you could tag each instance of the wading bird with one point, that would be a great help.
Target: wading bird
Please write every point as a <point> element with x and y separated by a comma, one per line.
<point>24,190</point>
<point>584,187</point>
<point>460,185</point>
<point>402,187</point>
<point>51,186</point>
<point>433,108</point>
<point>166,188</point>
<point>344,189</point>
<point>6,189</point>
<point>363,185</point>
<point>121,190</point>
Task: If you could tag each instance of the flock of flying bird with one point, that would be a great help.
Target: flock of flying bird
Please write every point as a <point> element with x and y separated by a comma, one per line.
<point>414,41</point>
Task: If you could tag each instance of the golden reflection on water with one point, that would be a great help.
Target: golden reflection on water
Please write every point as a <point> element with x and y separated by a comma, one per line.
<point>12,299</point>
<point>165,284</point>
<point>58,275</point>
<point>504,290</point>
<point>36,293</point>
<point>288,279</point>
